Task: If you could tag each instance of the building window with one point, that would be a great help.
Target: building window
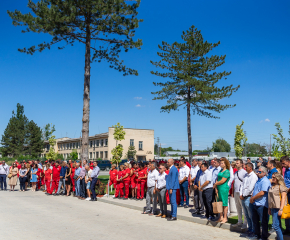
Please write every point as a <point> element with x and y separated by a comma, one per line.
<point>106,154</point>
<point>97,143</point>
<point>91,155</point>
<point>140,145</point>
<point>47,147</point>
<point>58,147</point>
<point>106,142</point>
<point>101,155</point>
<point>67,146</point>
<point>102,142</point>
<point>77,145</point>
<point>74,145</point>
<point>91,144</point>
<point>131,142</point>
<point>70,146</point>
<point>97,155</point>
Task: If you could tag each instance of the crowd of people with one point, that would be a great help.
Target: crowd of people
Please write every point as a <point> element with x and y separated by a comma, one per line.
<point>258,191</point>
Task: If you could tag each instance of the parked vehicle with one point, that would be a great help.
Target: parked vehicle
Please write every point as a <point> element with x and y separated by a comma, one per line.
<point>104,165</point>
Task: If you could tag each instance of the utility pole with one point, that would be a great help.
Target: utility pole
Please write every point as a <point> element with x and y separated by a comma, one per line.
<point>246,144</point>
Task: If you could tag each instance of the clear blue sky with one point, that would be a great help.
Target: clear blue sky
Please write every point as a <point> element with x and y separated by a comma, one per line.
<point>254,35</point>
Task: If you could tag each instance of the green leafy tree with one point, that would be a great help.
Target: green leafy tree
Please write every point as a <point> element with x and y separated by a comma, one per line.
<point>276,152</point>
<point>105,27</point>
<point>255,150</point>
<point>59,156</point>
<point>74,155</point>
<point>52,155</point>
<point>221,145</point>
<point>282,142</point>
<point>194,82</point>
<point>47,131</point>
<point>156,149</point>
<point>240,140</point>
<point>131,154</point>
<point>14,139</point>
<point>34,140</point>
<point>119,135</point>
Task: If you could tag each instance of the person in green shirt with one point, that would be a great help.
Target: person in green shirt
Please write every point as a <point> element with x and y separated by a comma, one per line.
<point>222,188</point>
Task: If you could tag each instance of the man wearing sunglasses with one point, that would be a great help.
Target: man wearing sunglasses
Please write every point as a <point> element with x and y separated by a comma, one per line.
<point>259,200</point>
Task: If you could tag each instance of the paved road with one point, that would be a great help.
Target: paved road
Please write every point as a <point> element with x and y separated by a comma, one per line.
<point>33,215</point>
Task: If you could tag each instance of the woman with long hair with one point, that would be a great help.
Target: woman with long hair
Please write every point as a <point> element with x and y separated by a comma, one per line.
<point>68,179</point>
<point>27,183</point>
<point>120,184</point>
<point>279,167</point>
<point>34,176</point>
<point>13,179</point>
<point>223,188</point>
<point>126,179</point>
<point>276,202</point>
<point>133,180</point>
<point>73,169</point>
<point>22,177</point>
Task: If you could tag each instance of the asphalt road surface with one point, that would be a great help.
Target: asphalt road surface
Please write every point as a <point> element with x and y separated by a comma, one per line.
<point>34,215</point>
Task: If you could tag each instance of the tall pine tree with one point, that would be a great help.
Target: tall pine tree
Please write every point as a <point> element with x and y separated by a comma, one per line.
<point>34,139</point>
<point>14,139</point>
<point>105,27</point>
<point>193,81</point>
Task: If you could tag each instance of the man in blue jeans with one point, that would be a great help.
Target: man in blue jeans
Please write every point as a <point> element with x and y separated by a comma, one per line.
<point>172,185</point>
<point>286,164</point>
<point>246,191</point>
<point>259,205</point>
<point>94,179</point>
<point>183,182</point>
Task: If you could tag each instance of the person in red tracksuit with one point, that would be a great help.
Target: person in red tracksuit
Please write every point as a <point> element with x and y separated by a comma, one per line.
<point>126,179</point>
<point>55,177</point>
<point>133,180</point>
<point>120,184</point>
<point>167,194</point>
<point>48,178</point>
<point>113,178</point>
<point>142,179</point>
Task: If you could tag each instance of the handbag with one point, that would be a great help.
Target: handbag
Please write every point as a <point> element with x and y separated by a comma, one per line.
<point>286,208</point>
<point>217,207</point>
<point>9,175</point>
<point>75,177</point>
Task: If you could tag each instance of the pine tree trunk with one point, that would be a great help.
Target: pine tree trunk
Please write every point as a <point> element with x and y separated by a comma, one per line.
<point>86,107</point>
<point>189,127</point>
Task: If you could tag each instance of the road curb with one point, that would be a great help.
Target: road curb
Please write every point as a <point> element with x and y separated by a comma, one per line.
<point>226,226</point>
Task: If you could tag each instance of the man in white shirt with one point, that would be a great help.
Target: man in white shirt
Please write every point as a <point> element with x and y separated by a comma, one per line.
<point>4,170</point>
<point>215,171</point>
<point>238,180</point>
<point>246,191</point>
<point>206,187</point>
<point>193,172</point>
<point>183,183</point>
<point>151,182</point>
<point>161,191</point>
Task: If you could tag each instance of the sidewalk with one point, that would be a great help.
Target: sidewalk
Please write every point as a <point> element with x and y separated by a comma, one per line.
<point>182,214</point>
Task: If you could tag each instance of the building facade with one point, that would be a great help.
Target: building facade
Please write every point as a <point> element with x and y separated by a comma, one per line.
<point>101,145</point>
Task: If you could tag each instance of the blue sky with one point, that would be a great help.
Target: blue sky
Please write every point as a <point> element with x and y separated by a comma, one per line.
<point>254,35</point>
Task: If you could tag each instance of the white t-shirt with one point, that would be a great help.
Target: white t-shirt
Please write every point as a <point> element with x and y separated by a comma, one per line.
<point>183,172</point>
<point>161,182</point>
<point>206,176</point>
<point>237,176</point>
<point>193,171</point>
<point>152,177</point>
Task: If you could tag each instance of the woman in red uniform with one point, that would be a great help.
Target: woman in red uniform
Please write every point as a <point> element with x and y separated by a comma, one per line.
<point>133,180</point>
<point>120,184</point>
<point>113,178</point>
<point>142,177</point>
<point>126,179</point>
<point>48,178</point>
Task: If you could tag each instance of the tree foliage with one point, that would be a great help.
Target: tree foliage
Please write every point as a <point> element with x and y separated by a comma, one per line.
<point>221,145</point>
<point>255,150</point>
<point>131,154</point>
<point>47,131</point>
<point>283,143</point>
<point>21,136</point>
<point>52,155</point>
<point>240,140</point>
<point>74,155</point>
<point>119,135</point>
<point>193,83</point>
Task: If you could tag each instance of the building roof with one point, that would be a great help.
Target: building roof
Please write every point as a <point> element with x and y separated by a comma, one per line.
<point>176,153</point>
<point>66,139</point>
